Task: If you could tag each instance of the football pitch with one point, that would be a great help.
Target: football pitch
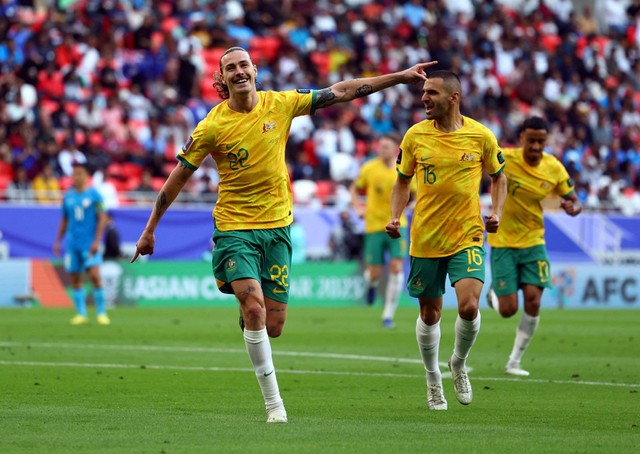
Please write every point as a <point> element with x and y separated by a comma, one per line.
<point>178,380</point>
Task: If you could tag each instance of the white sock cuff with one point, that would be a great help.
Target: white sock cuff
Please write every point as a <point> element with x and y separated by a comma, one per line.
<point>423,328</point>
<point>471,325</point>
<point>530,318</point>
<point>255,337</point>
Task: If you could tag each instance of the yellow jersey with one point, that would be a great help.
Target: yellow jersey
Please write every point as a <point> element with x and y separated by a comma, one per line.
<point>249,150</point>
<point>522,223</point>
<point>377,180</point>
<point>448,170</point>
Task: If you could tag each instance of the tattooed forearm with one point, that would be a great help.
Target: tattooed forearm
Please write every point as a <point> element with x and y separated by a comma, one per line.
<point>246,291</point>
<point>325,97</point>
<point>161,203</point>
<point>365,90</point>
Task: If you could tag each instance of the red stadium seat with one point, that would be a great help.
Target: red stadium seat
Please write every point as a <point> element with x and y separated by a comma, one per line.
<point>264,46</point>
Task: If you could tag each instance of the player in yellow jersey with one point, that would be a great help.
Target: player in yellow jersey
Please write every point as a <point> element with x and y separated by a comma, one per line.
<point>446,153</point>
<point>376,180</point>
<point>518,254</point>
<point>246,135</point>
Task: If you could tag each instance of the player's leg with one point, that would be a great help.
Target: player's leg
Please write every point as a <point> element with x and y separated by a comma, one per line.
<point>535,276</point>
<point>237,266</point>
<point>426,282</point>
<point>93,264</point>
<point>466,272</point>
<point>374,261</point>
<point>74,265</point>
<point>254,314</point>
<point>502,295</point>
<point>525,330</point>
<point>398,252</point>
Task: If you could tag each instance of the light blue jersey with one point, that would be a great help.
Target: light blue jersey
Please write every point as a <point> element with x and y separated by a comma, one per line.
<point>81,209</point>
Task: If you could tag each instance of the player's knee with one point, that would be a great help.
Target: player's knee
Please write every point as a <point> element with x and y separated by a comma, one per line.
<point>507,311</point>
<point>468,310</point>
<point>253,313</point>
<point>275,330</point>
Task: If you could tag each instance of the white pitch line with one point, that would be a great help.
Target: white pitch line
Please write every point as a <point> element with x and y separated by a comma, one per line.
<point>160,348</point>
<point>276,353</point>
<point>298,372</point>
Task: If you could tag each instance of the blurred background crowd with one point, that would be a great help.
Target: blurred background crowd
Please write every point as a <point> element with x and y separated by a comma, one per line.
<point>121,84</point>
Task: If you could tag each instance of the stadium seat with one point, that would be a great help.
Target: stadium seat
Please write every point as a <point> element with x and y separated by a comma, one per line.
<point>157,182</point>
<point>325,190</point>
<point>131,170</point>
<point>264,46</point>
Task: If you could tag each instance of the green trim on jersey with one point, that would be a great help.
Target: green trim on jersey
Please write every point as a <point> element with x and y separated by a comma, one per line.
<point>497,173</point>
<point>402,175</point>
<point>186,163</point>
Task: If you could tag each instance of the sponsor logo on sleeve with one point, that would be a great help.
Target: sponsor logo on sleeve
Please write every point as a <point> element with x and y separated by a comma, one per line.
<point>500,158</point>
<point>570,182</point>
<point>185,147</point>
<point>303,91</point>
<point>399,159</point>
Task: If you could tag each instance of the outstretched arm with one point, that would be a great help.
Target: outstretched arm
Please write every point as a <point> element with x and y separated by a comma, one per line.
<point>348,90</point>
<point>170,190</point>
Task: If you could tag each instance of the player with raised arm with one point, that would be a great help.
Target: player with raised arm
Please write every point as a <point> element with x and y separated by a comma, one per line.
<point>246,135</point>
<point>518,253</point>
<point>446,153</point>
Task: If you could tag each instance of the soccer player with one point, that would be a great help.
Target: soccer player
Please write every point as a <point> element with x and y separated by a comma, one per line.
<point>83,222</point>
<point>376,180</point>
<point>447,153</point>
<point>518,254</point>
<point>246,135</point>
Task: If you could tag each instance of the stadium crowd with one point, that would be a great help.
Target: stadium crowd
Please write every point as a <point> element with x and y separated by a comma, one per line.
<point>120,84</point>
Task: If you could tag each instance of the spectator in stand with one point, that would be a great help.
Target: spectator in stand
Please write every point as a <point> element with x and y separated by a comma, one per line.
<point>20,190</point>
<point>46,188</point>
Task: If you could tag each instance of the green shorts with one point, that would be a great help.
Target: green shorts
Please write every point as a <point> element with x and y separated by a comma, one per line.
<point>511,268</point>
<point>263,255</point>
<point>378,243</point>
<point>428,276</point>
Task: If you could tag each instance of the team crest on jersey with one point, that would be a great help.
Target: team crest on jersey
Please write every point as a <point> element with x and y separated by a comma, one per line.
<point>417,284</point>
<point>86,203</point>
<point>467,157</point>
<point>185,147</point>
<point>545,185</point>
<point>502,284</point>
<point>268,126</point>
<point>231,265</point>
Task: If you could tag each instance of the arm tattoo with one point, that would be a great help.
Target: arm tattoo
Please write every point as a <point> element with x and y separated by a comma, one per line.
<point>246,291</point>
<point>365,90</point>
<point>325,98</point>
<point>161,203</point>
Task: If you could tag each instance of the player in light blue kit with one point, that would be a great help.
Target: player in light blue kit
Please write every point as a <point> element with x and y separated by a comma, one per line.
<point>83,220</point>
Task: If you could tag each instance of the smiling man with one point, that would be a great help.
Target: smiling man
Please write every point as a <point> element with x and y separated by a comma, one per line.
<point>246,135</point>
<point>447,153</point>
<point>518,253</point>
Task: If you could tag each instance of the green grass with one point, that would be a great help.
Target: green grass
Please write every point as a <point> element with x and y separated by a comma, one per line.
<point>179,381</point>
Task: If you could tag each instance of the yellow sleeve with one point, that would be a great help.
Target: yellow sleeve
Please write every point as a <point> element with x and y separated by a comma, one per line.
<point>199,144</point>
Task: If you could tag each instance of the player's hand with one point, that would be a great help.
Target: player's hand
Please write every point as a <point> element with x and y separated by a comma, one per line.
<point>491,223</point>
<point>95,246</point>
<point>393,228</point>
<point>572,209</point>
<point>144,245</point>
<point>416,73</point>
